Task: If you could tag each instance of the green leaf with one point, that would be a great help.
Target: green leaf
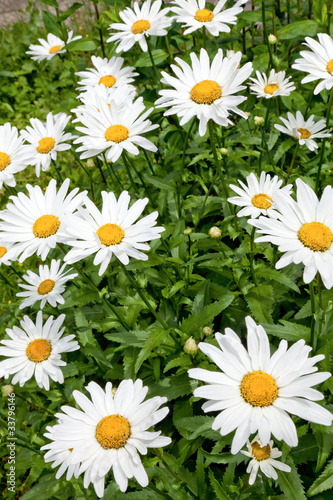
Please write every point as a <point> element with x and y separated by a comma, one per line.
<point>156,338</point>
<point>219,490</point>
<point>283,148</point>
<point>52,24</point>
<point>288,331</point>
<point>206,315</point>
<point>51,3</point>
<point>172,387</point>
<point>274,274</point>
<point>323,482</point>
<point>82,44</point>
<point>260,300</point>
<point>70,11</point>
<point>145,62</point>
<point>300,28</point>
<point>291,484</point>
<point>324,437</point>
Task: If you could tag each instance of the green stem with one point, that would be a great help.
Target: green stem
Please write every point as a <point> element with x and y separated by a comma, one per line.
<point>186,142</point>
<point>313,336</point>
<point>321,158</point>
<point>141,179</point>
<point>263,131</point>
<point>152,61</point>
<point>329,17</point>
<point>266,36</point>
<point>252,256</point>
<point>148,161</point>
<point>204,37</point>
<point>128,172</point>
<point>217,163</point>
<point>58,172</point>
<point>205,199</point>
<point>99,29</point>
<point>291,164</point>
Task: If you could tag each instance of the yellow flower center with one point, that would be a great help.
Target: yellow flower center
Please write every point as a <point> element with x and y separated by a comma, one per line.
<point>45,145</point>
<point>45,287</point>
<point>113,431</point>
<point>140,26</point>
<point>116,133</point>
<point>110,234</point>
<point>260,452</point>
<point>108,81</point>
<point>316,236</point>
<point>204,15</point>
<point>330,67</point>
<point>3,250</point>
<point>261,201</point>
<point>259,389</point>
<point>206,92</point>
<point>45,226</point>
<point>305,134</point>
<point>38,350</point>
<point>271,88</point>
<point>54,49</point>
<point>4,161</point>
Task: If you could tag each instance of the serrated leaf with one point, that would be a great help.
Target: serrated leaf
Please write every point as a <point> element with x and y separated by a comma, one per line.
<point>324,437</point>
<point>288,331</point>
<point>70,11</point>
<point>274,274</point>
<point>219,490</point>
<point>206,315</point>
<point>323,482</point>
<point>283,148</point>
<point>260,301</point>
<point>156,338</point>
<point>291,484</point>
<point>181,360</point>
<point>172,387</point>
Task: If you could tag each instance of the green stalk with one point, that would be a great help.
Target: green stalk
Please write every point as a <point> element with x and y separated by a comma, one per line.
<point>329,17</point>
<point>217,163</point>
<point>328,118</point>
<point>313,335</point>
<point>58,171</point>
<point>291,164</point>
<point>186,142</point>
<point>128,172</point>
<point>148,161</point>
<point>152,61</point>
<point>99,29</point>
<point>263,131</point>
<point>204,37</point>
<point>252,256</point>
<point>266,36</point>
<point>141,178</point>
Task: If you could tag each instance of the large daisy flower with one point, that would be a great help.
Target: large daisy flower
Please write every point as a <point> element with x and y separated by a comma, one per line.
<point>111,231</point>
<point>206,90</point>
<point>139,23</point>
<point>305,131</point>
<point>110,432</point>
<point>318,63</point>
<point>107,72</point>
<point>273,85</point>
<point>50,47</point>
<point>35,223</point>
<point>194,15</point>
<point>46,286</point>
<point>34,349</point>
<point>113,129</point>
<point>257,197</point>
<point>263,459</point>
<point>14,156</point>
<point>256,390</point>
<point>303,231</point>
<point>46,139</point>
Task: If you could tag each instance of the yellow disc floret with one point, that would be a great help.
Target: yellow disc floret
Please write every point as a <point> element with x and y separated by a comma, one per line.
<point>329,67</point>
<point>271,88</point>
<point>110,234</point>
<point>316,236</point>
<point>54,49</point>
<point>116,133</point>
<point>4,161</point>
<point>38,350</point>
<point>45,287</point>
<point>108,81</point>
<point>45,226</point>
<point>259,389</point>
<point>140,26</point>
<point>261,200</point>
<point>305,134</point>
<point>203,15</point>
<point>260,452</point>
<point>3,251</point>
<point>113,431</point>
<point>45,145</point>
<point>206,92</point>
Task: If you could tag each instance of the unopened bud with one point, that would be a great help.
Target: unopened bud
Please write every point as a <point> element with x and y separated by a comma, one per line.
<point>90,163</point>
<point>272,40</point>
<point>224,151</point>
<point>215,232</point>
<point>259,120</point>
<point>7,390</point>
<point>207,331</point>
<point>114,390</point>
<point>190,346</point>
<point>230,54</point>
<point>188,231</point>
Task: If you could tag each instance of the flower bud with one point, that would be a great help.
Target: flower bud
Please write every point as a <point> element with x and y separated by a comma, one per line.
<point>215,232</point>
<point>7,390</point>
<point>187,231</point>
<point>259,120</point>
<point>190,346</point>
<point>90,163</point>
<point>224,151</point>
<point>114,390</point>
<point>207,331</point>
<point>272,40</point>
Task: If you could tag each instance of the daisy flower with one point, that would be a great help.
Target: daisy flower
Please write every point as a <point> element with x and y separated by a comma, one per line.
<point>206,90</point>
<point>34,349</point>
<point>139,23</point>
<point>50,47</point>
<point>111,231</point>
<point>276,84</point>
<point>194,15</point>
<point>110,432</point>
<point>46,286</point>
<point>112,129</point>
<point>14,156</point>
<point>263,459</point>
<point>257,197</point>
<point>4,249</point>
<point>59,456</point>
<point>318,63</point>
<point>46,139</point>
<point>255,390</point>
<point>35,223</point>
<point>107,72</point>
<point>303,231</point>
<point>305,131</point>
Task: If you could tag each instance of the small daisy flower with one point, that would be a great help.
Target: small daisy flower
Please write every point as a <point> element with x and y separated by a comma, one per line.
<point>257,197</point>
<point>139,23</point>
<point>305,131</point>
<point>303,231</point>
<point>106,72</point>
<point>50,47</point>
<point>254,390</point>
<point>14,155</point>
<point>47,286</point>
<point>111,231</point>
<point>318,63</point>
<point>35,350</point>
<point>35,223</point>
<point>112,129</point>
<point>194,15</point>
<point>46,139</point>
<point>206,90</point>
<point>4,249</point>
<point>110,432</point>
<point>276,84</point>
<point>263,459</point>
<point>59,456</point>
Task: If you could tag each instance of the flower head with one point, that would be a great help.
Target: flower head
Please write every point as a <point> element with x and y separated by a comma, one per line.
<point>108,73</point>
<point>50,47</point>
<point>273,85</point>
<point>14,155</point>
<point>305,131</point>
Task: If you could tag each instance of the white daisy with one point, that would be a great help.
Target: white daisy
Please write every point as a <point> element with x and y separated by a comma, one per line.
<point>107,72</point>
<point>14,156</point>
<point>111,231</point>
<point>47,286</point>
<point>110,432</point>
<point>35,350</point>
<point>304,231</point>
<point>255,390</point>
<point>35,223</point>
<point>147,20</point>
<point>276,84</point>
<point>318,63</point>
<point>4,249</point>
<point>263,459</point>
<point>206,90</point>
<point>50,47</point>
<point>58,456</point>
<point>194,15</point>
<point>46,139</point>
<point>305,131</point>
<point>112,129</point>
<point>257,197</point>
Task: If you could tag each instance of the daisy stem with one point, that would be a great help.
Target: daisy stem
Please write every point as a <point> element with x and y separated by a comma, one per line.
<point>328,118</point>
<point>217,163</point>
<point>99,29</point>
<point>313,335</point>
<point>148,161</point>
<point>329,17</point>
<point>128,172</point>
<point>152,60</point>
<point>263,131</point>
<point>10,190</point>
<point>58,171</point>
<point>291,164</point>
<point>186,142</point>
<point>265,35</point>
<point>204,37</point>
<point>129,159</point>
<point>252,256</point>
